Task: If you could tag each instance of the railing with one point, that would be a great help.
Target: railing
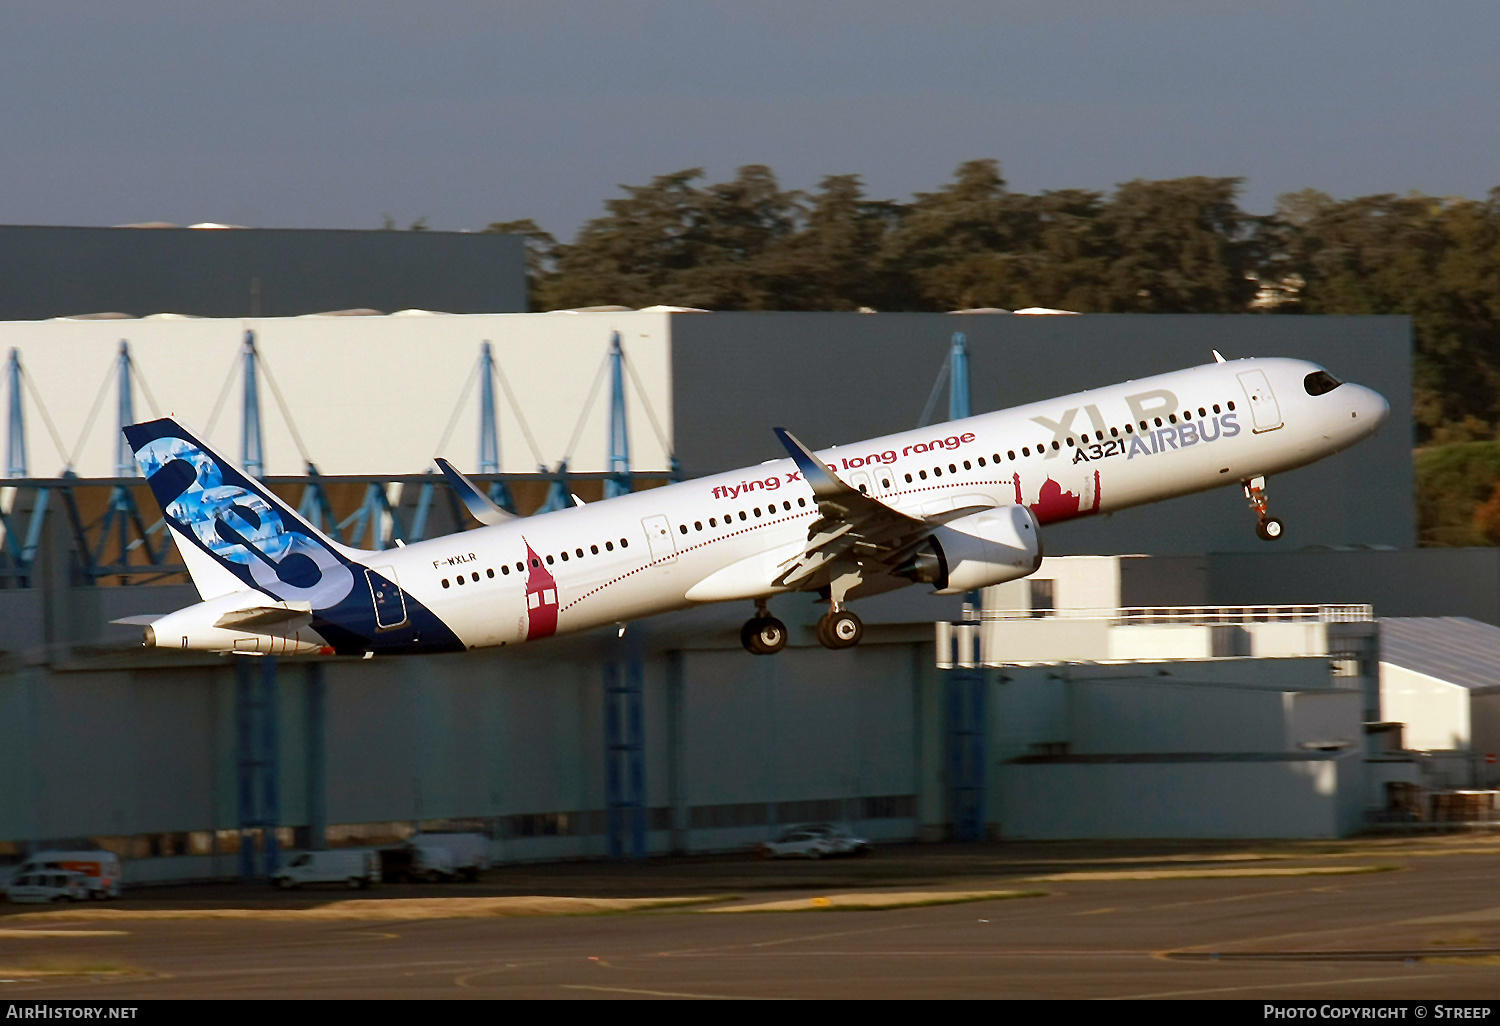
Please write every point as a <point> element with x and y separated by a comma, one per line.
<point>1194,616</point>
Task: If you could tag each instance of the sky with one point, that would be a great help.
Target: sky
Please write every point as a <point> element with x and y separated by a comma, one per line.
<point>334,115</point>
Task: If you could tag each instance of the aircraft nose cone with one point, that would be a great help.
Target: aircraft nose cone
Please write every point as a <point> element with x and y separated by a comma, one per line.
<point>1370,408</point>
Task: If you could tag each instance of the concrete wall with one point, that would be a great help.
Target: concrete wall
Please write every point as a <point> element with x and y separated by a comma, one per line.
<point>836,378</point>
<point>1321,797</point>
<point>1436,713</point>
<point>61,271</point>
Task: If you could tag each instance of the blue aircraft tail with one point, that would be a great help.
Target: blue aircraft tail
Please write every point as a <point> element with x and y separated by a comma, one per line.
<point>238,536</point>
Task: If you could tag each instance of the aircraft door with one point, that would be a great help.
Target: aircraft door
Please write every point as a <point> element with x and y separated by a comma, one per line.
<point>390,603</point>
<point>860,481</point>
<point>659,538</point>
<point>1263,407</point>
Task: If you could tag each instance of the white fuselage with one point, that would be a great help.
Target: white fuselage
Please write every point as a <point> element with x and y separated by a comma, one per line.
<point>720,537</point>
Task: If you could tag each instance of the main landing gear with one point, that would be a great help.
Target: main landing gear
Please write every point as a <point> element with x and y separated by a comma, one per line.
<point>763,634</point>
<point>1268,527</point>
<point>840,628</point>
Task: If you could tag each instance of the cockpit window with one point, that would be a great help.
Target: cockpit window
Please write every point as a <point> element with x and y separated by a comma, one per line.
<point>1320,383</point>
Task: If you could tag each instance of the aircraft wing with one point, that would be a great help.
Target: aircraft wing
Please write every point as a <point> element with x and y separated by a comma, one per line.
<point>480,506</point>
<point>852,527</point>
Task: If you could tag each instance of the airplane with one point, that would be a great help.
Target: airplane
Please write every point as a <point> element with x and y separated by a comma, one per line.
<point>957,506</point>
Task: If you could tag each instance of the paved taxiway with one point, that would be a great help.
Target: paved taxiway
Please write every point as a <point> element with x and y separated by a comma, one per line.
<point>1427,925</point>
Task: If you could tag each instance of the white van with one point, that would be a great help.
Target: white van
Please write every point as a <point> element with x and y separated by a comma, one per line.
<point>350,867</point>
<point>47,886</point>
<point>100,869</point>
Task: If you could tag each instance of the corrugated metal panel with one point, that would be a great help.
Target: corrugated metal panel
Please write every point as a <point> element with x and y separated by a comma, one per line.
<point>1452,648</point>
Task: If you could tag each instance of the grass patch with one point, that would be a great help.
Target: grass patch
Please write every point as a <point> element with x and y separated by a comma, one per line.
<point>1238,872</point>
<point>393,909</point>
<point>877,901</point>
<point>68,967</point>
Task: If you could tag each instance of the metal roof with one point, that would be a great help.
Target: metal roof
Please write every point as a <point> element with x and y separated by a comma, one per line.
<point>1451,648</point>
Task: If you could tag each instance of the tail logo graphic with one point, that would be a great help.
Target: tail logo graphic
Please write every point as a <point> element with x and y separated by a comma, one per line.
<point>241,528</point>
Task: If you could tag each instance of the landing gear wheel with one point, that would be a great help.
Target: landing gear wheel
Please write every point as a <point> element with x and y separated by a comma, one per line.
<point>1270,528</point>
<point>840,629</point>
<point>763,635</point>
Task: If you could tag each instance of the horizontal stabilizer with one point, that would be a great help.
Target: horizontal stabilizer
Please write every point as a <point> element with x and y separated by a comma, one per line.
<point>480,506</point>
<point>140,619</point>
<point>252,618</point>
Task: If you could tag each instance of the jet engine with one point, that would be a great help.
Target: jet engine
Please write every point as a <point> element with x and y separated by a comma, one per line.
<point>976,551</point>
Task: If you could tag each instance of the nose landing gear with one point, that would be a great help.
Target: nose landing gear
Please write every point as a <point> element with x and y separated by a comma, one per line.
<point>1268,527</point>
<point>763,634</point>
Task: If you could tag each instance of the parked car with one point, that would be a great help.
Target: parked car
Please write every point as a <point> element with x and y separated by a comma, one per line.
<point>100,869</point>
<point>48,886</point>
<point>352,868</point>
<point>814,841</point>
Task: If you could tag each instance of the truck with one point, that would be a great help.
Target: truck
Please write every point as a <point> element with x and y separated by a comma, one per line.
<point>354,868</point>
<point>100,869</point>
<point>409,864</point>
<point>468,854</point>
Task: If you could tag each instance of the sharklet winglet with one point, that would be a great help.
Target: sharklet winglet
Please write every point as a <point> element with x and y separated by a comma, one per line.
<point>814,471</point>
<point>480,506</point>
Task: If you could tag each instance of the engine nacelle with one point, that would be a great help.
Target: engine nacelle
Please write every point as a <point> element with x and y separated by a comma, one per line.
<point>976,551</point>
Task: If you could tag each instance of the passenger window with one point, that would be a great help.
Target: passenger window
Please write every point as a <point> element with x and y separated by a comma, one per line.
<point>1011,453</point>
<point>1231,405</point>
<point>757,511</point>
<point>1158,422</point>
<point>505,569</point>
<point>1055,445</point>
<point>937,471</point>
<point>1129,429</point>
<point>520,568</point>
<point>786,507</point>
<point>1202,412</point>
<point>803,502</point>
<point>580,553</point>
<point>953,468</point>
<point>1171,418</point>
<point>624,544</point>
<point>475,575</point>
<point>459,579</point>
<point>1114,432</point>
<point>609,546</point>
<point>564,556</point>
<point>1070,443</point>
<point>594,549</point>
<point>1216,407</point>
<point>697,525</point>
<point>885,482</point>
<point>445,582</point>
<point>1025,450</point>
<point>712,522</point>
<point>922,474</point>
<point>908,479</point>
<point>682,528</point>
<point>489,572</point>
<point>549,560</point>
<point>981,462</point>
<point>743,516</point>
